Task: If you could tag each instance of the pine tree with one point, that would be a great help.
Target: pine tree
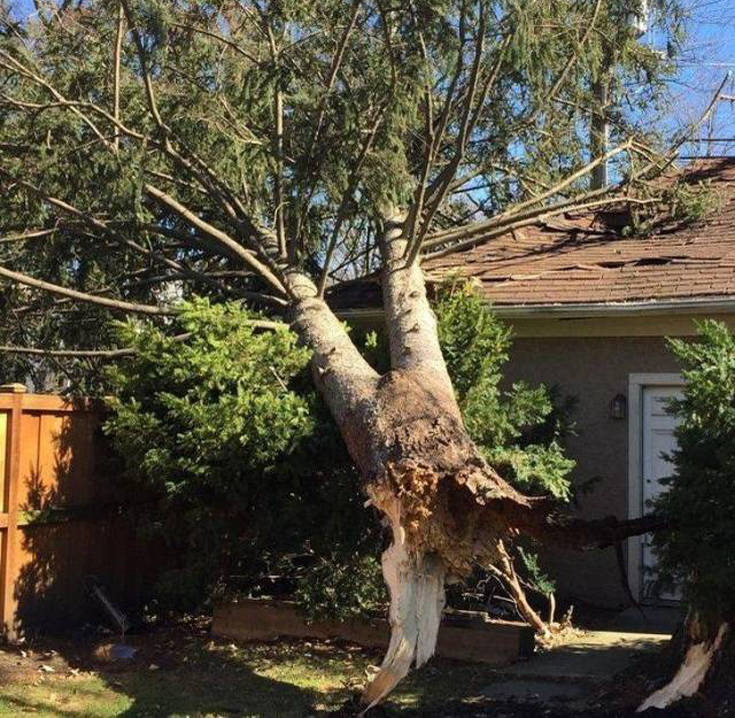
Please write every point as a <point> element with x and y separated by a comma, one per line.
<point>265,151</point>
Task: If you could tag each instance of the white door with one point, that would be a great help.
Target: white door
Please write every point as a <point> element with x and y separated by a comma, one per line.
<point>658,441</point>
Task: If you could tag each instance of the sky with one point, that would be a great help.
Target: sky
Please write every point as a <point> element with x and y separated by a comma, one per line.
<point>708,57</point>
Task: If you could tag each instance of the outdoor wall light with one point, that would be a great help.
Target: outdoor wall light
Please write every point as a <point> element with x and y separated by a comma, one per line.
<point>617,407</point>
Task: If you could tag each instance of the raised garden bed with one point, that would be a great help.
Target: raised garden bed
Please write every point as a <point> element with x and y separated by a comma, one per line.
<point>464,635</point>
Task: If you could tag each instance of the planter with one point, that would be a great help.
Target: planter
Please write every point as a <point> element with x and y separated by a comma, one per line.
<point>463,635</point>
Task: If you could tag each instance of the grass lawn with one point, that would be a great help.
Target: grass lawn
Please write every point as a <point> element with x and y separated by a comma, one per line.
<point>182,672</point>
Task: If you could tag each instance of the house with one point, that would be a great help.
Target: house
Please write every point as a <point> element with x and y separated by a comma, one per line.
<point>590,309</point>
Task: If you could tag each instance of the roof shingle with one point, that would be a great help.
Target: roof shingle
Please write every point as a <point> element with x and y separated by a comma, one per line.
<point>575,260</point>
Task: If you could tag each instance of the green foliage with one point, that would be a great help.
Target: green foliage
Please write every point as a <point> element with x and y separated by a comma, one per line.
<point>236,457</point>
<point>683,203</point>
<point>342,587</point>
<point>221,394</point>
<point>700,502</point>
<point>74,181</point>
<point>243,469</point>
<point>693,203</point>
<point>535,577</point>
<point>504,423</point>
<point>519,430</point>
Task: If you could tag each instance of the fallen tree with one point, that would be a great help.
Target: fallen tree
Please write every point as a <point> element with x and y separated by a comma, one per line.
<point>267,151</point>
<point>246,477</point>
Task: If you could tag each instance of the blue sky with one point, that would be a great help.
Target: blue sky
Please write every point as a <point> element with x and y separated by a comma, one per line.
<point>709,56</point>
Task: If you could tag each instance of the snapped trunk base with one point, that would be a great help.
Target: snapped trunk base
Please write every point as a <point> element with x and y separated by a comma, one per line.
<point>707,652</point>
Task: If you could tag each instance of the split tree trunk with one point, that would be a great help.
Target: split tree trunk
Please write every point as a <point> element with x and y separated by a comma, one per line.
<point>446,507</point>
<point>706,642</point>
<point>405,433</point>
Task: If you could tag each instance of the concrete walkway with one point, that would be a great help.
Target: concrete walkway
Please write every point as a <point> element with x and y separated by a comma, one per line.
<point>569,674</point>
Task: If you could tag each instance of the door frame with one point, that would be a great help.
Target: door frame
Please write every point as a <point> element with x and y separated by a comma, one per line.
<point>636,384</point>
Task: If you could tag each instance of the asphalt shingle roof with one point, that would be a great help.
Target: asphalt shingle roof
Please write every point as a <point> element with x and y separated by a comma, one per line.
<point>579,260</point>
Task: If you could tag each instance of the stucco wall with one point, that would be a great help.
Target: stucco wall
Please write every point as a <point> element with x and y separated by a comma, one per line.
<point>594,369</point>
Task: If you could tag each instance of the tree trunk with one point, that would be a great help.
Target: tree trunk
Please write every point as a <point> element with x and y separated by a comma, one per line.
<point>446,507</point>
<point>706,641</point>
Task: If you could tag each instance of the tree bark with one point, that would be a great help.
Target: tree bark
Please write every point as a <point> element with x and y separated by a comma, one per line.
<point>705,639</point>
<point>445,506</point>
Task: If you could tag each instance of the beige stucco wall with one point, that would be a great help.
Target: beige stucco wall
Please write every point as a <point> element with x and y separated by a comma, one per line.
<point>594,369</point>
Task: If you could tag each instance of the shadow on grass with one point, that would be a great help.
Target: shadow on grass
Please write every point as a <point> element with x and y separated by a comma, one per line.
<point>215,686</point>
<point>181,671</point>
<point>176,672</point>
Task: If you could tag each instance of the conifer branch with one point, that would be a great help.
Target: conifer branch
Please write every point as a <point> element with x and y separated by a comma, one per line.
<point>115,304</point>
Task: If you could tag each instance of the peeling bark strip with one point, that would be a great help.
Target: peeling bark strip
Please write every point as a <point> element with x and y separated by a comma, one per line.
<point>691,674</point>
<point>416,587</point>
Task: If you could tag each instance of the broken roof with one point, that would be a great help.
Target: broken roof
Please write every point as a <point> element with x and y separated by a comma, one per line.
<point>579,260</point>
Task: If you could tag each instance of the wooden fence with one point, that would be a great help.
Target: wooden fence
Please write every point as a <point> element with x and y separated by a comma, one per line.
<point>59,525</point>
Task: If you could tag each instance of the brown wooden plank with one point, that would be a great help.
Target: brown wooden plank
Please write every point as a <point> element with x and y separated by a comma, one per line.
<point>11,534</point>
<point>30,481</point>
<point>53,403</point>
<point>492,643</point>
<point>3,451</point>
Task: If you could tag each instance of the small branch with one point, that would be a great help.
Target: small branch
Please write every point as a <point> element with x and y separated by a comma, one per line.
<point>36,234</point>
<point>342,210</point>
<point>278,174</point>
<point>69,353</point>
<point>334,67</point>
<point>116,304</point>
<point>573,57</point>
<point>147,82</point>
<point>215,36</point>
<point>513,583</point>
<point>12,64</point>
<point>515,213</point>
<point>218,235</point>
<point>126,351</point>
<point>444,181</point>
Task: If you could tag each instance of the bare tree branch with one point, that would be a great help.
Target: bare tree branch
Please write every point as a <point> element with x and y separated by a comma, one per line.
<point>346,199</point>
<point>116,70</point>
<point>124,351</point>
<point>117,304</point>
<point>218,235</point>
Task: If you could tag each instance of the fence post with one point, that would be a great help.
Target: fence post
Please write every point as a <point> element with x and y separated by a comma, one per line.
<point>8,560</point>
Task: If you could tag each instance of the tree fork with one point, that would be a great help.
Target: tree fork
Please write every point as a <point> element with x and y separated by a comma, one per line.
<point>445,506</point>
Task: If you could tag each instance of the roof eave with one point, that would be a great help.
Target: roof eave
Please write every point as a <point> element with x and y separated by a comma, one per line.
<point>708,305</point>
